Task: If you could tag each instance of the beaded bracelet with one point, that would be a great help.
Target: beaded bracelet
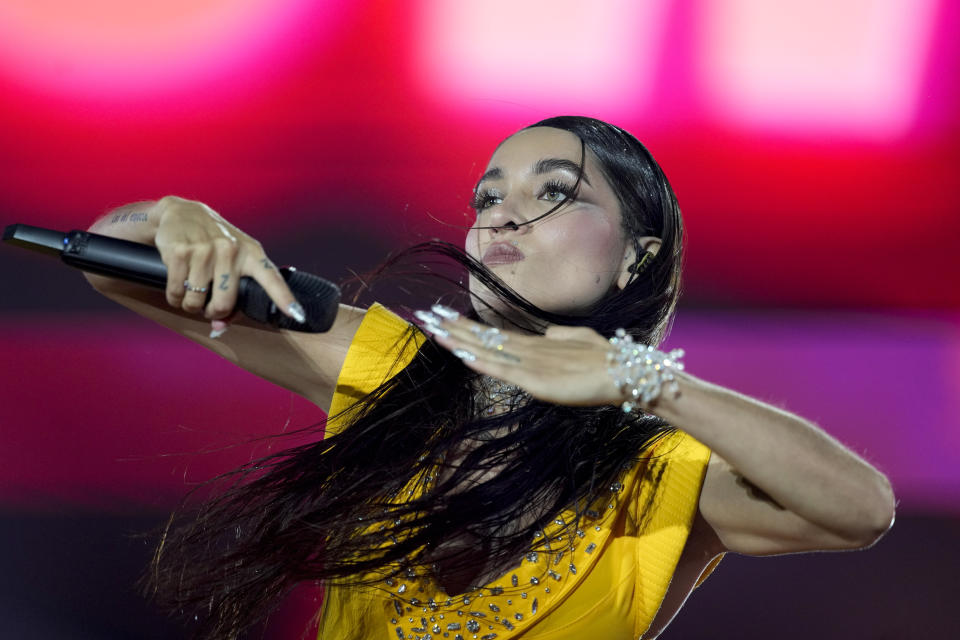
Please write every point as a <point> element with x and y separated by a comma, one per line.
<point>641,369</point>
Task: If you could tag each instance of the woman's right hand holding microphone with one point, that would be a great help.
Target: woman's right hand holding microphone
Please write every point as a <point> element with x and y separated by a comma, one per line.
<point>205,253</point>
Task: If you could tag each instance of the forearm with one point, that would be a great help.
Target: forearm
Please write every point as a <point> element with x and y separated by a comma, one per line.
<point>137,222</point>
<point>796,463</point>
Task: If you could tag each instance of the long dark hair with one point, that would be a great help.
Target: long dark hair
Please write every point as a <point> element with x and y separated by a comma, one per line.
<point>333,511</point>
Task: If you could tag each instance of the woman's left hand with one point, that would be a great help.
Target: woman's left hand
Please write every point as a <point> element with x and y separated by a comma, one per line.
<point>566,366</point>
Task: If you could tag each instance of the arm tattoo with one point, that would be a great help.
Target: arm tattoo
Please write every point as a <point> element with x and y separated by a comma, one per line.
<point>121,218</point>
<point>223,282</point>
<point>757,493</point>
<point>266,264</point>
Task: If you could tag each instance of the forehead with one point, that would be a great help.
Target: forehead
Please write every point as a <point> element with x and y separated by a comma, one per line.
<point>524,148</point>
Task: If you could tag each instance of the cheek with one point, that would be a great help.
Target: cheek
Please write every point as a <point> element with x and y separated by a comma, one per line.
<point>471,243</point>
<point>591,242</point>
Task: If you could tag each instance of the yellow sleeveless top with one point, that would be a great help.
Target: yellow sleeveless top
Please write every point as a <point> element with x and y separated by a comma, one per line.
<point>607,581</point>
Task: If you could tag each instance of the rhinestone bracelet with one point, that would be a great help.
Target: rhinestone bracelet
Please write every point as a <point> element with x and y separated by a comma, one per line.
<point>641,369</point>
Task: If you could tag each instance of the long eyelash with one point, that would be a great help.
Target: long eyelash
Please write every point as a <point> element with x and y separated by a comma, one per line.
<point>479,200</point>
<point>561,187</point>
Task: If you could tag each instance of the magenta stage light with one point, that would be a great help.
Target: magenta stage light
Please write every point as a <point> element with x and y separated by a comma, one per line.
<point>854,68</point>
<point>110,49</point>
<point>541,57</point>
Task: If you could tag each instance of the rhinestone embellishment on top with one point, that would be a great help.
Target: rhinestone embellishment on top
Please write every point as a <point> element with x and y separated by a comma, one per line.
<point>496,396</point>
<point>507,607</point>
<point>516,600</point>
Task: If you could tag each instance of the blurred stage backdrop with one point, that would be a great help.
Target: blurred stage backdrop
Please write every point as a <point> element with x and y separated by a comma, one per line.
<point>814,146</point>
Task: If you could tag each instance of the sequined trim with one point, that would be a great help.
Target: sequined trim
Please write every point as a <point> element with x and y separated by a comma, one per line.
<point>560,553</point>
<point>514,603</point>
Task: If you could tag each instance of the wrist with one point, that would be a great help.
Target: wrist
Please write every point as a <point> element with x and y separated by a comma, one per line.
<point>136,221</point>
<point>641,373</point>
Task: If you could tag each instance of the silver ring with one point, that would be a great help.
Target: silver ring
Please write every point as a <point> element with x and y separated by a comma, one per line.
<point>189,287</point>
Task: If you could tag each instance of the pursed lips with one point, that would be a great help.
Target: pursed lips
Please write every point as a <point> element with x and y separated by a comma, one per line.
<point>501,253</point>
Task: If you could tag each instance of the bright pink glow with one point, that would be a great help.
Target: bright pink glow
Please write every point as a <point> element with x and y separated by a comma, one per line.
<point>553,55</point>
<point>817,65</point>
<point>120,48</point>
<point>342,128</point>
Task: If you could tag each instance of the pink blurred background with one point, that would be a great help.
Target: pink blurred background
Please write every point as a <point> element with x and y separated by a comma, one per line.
<point>814,147</point>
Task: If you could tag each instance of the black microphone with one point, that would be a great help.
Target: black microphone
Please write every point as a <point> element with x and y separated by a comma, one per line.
<point>141,263</point>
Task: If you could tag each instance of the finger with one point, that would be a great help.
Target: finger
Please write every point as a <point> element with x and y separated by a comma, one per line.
<point>267,274</point>
<point>225,280</point>
<point>505,364</point>
<point>479,335</point>
<point>460,327</point>
<point>471,350</point>
<point>500,344</point>
<point>470,338</point>
<point>562,332</point>
<point>218,328</point>
<point>492,365</point>
<point>177,260</point>
<point>198,279</point>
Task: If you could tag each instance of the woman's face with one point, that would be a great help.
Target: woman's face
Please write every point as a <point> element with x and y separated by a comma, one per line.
<point>570,259</point>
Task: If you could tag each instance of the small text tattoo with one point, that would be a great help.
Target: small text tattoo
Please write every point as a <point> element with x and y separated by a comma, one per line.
<point>128,217</point>
<point>266,263</point>
<point>225,277</point>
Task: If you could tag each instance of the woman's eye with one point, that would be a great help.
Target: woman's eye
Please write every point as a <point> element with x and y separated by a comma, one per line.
<point>483,201</point>
<point>556,192</point>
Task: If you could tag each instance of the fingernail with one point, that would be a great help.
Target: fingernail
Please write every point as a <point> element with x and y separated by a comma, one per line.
<point>435,330</point>
<point>217,328</point>
<point>464,355</point>
<point>427,317</point>
<point>445,312</point>
<point>296,311</point>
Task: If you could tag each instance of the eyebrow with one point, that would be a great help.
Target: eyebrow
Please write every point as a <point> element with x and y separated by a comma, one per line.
<point>544,165</point>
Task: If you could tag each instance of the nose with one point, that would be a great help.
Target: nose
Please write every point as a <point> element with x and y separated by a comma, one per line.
<point>505,219</point>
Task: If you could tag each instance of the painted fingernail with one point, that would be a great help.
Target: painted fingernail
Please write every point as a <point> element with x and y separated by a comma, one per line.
<point>217,328</point>
<point>427,317</point>
<point>464,355</point>
<point>445,312</point>
<point>435,330</point>
<point>296,311</point>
